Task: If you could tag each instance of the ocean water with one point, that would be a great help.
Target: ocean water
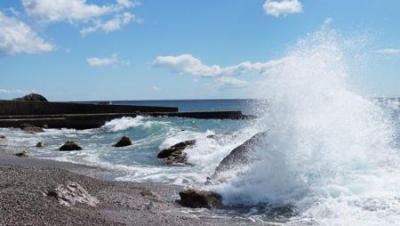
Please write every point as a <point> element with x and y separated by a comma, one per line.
<point>330,155</point>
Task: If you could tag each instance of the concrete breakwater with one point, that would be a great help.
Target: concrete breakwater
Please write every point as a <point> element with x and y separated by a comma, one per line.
<point>85,116</point>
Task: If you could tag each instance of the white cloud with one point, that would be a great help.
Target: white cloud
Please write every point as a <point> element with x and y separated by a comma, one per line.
<point>389,51</point>
<point>188,64</point>
<point>77,12</point>
<point>155,88</point>
<point>94,61</point>
<point>111,25</point>
<point>18,37</point>
<point>232,81</point>
<point>283,7</point>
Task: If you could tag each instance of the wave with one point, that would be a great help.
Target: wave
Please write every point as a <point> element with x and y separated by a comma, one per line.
<point>329,151</point>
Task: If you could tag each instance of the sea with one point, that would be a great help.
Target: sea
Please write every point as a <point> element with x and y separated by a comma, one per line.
<point>330,155</point>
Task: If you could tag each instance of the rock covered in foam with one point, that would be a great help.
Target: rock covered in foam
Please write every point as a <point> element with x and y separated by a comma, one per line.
<point>175,154</point>
<point>238,157</point>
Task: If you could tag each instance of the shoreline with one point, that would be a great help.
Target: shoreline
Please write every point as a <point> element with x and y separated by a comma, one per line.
<point>24,181</point>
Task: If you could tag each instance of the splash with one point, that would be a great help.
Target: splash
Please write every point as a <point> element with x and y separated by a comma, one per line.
<point>329,150</point>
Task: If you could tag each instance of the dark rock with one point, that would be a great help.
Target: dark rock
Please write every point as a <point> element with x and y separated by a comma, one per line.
<point>200,199</point>
<point>32,97</point>
<point>175,154</point>
<point>239,156</point>
<point>39,145</point>
<point>70,146</point>
<point>123,142</point>
<point>3,137</point>
<point>31,128</point>
<point>22,154</point>
<point>71,193</point>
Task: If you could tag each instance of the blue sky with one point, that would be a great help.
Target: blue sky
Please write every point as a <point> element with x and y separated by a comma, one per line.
<point>179,49</point>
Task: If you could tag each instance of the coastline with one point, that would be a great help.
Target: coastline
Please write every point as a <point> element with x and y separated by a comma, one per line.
<point>24,181</point>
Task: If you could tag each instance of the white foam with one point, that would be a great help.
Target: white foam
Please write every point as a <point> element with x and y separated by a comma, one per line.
<point>328,150</point>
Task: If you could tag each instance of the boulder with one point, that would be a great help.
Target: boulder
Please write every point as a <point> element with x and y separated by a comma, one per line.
<point>71,193</point>
<point>238,157</point>
<point>200,199</point>
<point>3,137</point>
<point>123,142</point>
<point>31,128</point>
<point>70,146</point>
<point>40,145</point>
<point>22,154</point>
<point>32,97</point>
<point>175,154</point>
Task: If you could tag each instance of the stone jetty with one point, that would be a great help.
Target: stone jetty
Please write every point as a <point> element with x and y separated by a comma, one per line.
<point>35,110</point>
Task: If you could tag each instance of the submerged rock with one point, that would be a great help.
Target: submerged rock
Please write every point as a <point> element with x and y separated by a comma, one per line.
<point>175,154</point>
<point>31,128</point>
<point>70,146</point>
<point>71,193</point>
<point>238,157</point>
<point>32,97</point>
<point>3,137</point>
<point>200,199</point>
<point>123,142</point>
<point>40,145</point>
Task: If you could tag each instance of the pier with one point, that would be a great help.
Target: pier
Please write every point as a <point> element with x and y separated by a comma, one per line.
<point>14,113</point>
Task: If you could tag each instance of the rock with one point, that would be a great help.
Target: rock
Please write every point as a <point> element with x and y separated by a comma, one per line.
<point>31,128</point>
<point>32,97</point>
<point>39,145</point>
<point>22,154</point>
<point>239,156</point>
<point>70,146</point>
<point>71,193</point>
<point>200,199</point>
<point>3,137</point>
<point>123,142</point>
<point>150,195</point>
<point>175,154</point>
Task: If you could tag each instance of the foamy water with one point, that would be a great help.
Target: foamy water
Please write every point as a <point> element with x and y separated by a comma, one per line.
<point>330,153</point>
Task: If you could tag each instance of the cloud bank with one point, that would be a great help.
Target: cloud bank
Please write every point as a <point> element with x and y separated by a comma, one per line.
<point>18,37</point>
<point>188,64</point>
<point>284,7</point>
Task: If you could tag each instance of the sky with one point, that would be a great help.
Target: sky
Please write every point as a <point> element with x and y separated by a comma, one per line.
<point>77,50</point>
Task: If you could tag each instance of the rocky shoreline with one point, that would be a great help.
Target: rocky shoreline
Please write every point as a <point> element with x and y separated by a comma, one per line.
<point>24,196</point>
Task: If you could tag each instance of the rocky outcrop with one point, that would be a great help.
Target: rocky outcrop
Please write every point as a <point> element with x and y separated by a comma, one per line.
<point>200,199</point>
<point>70,194</point>
<point>175,154</point>
<point>70,146</point>
<point>31,128</point>
<point>123,142</point>
<point>32,97</point>
<point>238,157</point>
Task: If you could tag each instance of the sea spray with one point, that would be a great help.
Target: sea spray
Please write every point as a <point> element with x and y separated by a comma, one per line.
<point>329,151</point>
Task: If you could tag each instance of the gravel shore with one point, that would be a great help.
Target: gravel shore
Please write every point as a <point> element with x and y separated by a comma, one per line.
<point>23,200</point>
